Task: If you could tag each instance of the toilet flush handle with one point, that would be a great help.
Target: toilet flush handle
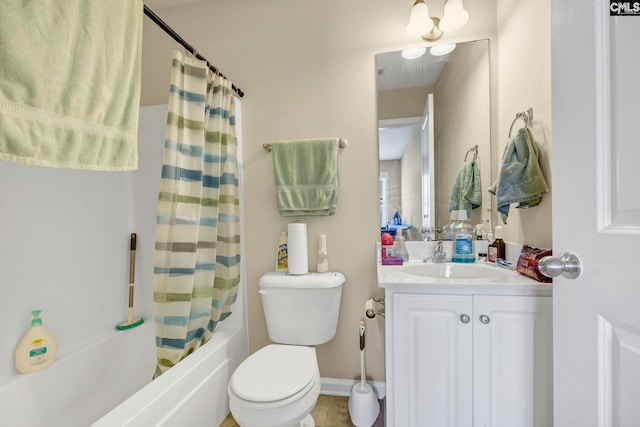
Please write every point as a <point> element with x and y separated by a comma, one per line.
<point>265,291</point>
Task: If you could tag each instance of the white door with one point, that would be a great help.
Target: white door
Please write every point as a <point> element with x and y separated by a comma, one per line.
<point>427,138</point>
<point>596,213</point>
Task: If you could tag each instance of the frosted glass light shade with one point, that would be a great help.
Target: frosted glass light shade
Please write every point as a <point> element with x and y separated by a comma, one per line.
<point>454,17</point>
<point>413,53</point>
<point>419,23</point>
<point>442,49</point>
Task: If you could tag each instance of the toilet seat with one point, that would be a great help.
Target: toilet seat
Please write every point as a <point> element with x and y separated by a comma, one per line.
<point>275,373</point>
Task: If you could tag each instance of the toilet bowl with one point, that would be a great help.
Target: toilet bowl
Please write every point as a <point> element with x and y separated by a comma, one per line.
<point>278,385</point>
<point>275,387</point>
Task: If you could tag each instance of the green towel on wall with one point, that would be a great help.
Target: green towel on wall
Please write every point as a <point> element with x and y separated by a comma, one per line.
<point>467,189</point>
<point>520,179</point>
<point>306,176</point>
<point>70,82</point>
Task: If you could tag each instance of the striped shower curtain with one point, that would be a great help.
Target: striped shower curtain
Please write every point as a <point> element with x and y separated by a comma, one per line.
<point>197,250</point>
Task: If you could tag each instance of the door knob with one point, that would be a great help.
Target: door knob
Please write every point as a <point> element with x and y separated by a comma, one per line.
<point>484,319</point>
<point>465,318</point>
<point>568,265</point>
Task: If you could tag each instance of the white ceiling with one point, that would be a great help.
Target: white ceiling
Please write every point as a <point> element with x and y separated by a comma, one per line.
<point>395,72</point>
<point>394,140</point>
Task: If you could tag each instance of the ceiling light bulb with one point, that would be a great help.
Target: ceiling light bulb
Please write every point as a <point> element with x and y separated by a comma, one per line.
<point>419,22</point>
<point>413,53</point>
<point>442,49</point>
<point>454,16</point>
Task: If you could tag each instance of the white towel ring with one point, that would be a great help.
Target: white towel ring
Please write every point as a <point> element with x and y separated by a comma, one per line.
<point>526,116</point>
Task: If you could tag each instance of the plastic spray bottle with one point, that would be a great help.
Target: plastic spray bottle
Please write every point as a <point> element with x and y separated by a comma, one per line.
<point>282,253</point>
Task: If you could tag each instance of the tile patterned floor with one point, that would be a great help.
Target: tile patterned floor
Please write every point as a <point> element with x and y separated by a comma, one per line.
<point>330,411</point>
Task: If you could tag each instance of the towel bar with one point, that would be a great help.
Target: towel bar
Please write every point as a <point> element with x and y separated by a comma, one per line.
<point>342,143</point>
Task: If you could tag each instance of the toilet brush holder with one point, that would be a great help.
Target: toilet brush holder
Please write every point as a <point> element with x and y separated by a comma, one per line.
<point>364,407</point>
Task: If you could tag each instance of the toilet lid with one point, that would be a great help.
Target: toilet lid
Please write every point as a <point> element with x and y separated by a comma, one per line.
<point>274,373</point>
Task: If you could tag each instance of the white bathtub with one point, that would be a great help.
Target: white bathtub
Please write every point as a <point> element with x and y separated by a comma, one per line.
<point>108,383</point>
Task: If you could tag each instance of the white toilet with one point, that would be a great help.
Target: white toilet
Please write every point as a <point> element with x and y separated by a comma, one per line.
<point>278,385</point>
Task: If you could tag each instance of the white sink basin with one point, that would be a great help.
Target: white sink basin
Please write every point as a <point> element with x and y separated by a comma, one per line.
<point>454,271</point>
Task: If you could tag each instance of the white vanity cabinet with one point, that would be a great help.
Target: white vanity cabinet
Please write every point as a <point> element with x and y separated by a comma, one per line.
<point>468,359</point>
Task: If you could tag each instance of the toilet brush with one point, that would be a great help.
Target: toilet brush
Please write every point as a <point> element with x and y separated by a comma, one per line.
<point>131,322</point>
<point>363,402</point>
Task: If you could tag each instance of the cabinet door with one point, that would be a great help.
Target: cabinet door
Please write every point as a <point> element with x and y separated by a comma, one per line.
<point>512,361</point>
<point>432,361</point>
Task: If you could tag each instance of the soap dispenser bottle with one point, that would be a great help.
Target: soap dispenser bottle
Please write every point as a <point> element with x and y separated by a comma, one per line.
<point>400,249</point>
<point>37,349</point>
<point>323,258</point>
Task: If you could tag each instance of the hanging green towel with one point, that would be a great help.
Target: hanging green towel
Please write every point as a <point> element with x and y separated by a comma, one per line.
<point>467,189</point>
<point>520,179</point>
<point>70,82</point>
<point>306,176</point>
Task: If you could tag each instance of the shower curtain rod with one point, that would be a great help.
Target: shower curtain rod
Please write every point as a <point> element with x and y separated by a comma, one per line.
<point>170,31</point>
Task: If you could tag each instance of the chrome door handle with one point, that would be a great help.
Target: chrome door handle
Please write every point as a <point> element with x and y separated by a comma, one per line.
<point>465,318</point>
<point>568,265</point>
<point>484,319</point>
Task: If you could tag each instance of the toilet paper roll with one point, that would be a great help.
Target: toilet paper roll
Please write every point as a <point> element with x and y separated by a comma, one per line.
<point>297,248</point>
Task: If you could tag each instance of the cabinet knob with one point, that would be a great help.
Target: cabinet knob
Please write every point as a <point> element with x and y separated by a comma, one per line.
<point>464,318</point>
<point>484,319</point>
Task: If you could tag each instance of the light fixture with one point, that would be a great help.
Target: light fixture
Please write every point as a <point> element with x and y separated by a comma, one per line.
<point>442,49</point>
<point>431,29</point>
<point>454,16</point>
<point>413,53</point>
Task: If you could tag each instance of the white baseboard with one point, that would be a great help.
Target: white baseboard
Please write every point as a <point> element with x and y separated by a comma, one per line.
<point>340,387</point>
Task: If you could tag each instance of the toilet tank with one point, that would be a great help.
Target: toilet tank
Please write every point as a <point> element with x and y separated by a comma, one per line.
<point>301,309</point>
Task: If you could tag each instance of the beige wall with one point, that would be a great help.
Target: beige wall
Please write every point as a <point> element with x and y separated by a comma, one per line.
<point>462,120</point>
<point>524,80</point>
<point>308,70</point>
<point>401,103</point>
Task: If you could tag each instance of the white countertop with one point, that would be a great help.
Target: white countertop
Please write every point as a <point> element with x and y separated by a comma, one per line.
<point>393,278</point>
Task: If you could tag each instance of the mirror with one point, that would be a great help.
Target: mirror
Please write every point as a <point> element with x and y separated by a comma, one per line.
<point>432,112</point>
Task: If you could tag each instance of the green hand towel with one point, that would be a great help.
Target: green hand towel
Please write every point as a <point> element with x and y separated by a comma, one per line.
<point>306,176</point>
<point>520,179</point>
<point>467,189</point>
<point>70,82</point>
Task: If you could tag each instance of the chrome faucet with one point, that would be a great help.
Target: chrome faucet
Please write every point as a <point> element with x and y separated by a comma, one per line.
<point>439,254</point>
<point>429,233</point>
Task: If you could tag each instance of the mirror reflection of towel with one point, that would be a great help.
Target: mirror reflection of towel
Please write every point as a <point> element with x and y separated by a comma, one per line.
<point>520,179</point>
<point>467,189</point>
